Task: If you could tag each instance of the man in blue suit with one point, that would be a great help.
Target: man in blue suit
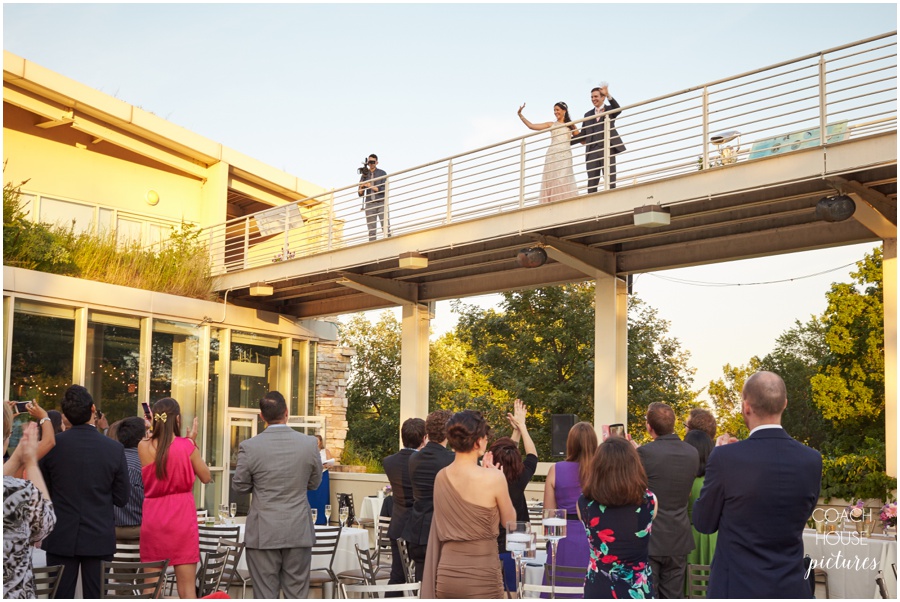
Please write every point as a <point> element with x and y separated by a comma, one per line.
<point>758,495</point>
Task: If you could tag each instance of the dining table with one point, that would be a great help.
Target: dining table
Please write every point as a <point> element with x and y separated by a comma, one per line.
<point>853,562</point>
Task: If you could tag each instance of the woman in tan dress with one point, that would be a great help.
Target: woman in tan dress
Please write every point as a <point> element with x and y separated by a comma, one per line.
<point>470,501</point>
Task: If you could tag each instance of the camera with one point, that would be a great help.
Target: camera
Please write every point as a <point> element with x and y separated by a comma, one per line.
<point>22,407</point>
<point>364,170</point>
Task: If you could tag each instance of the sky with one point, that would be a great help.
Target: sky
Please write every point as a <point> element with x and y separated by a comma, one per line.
<point>314,88</point>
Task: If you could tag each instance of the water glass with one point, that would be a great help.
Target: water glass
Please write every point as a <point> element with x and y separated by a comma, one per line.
<point>223,513</point>
<point>554,524</point>
<point>518,537</point>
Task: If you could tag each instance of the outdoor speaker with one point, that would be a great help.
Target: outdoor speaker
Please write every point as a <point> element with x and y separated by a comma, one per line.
<point>560,425</point>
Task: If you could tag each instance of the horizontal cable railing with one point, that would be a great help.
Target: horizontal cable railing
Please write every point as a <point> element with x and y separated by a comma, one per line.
<point>846,92</point>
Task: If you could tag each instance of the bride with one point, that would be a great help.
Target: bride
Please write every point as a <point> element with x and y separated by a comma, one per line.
<point>559,180</point>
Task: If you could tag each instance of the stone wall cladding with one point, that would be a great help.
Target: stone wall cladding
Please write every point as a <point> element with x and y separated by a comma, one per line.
<point>332,370</point>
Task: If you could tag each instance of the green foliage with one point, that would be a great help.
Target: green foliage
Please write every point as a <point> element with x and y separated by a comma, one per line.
<point>356,455</point>
<point>849,389</point>
<point>178,266</point>
<point>858,475</point>
<point>373,393</point>
<point>725,394</point>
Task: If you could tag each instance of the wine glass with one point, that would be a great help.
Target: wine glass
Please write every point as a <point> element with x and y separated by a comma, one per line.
<point>554,524</point>
<point>315,515</point>
<point>518,540</point>
<point>327,513</point>
<point>223,513</point>
<point>343,515</point>
<point>232,510</point>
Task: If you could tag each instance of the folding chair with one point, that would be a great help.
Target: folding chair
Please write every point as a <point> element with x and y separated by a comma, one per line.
<point>345,499</point>
<point>46,580</point>
<point>559,590</point>
<point>409,567</point>
<point>132,579</point>
<point>566,575</point>
<point>698,580</point>
<point>368,572</point>
<point>211,572</point>
<point>327,539</point>
<point>231,576</point>
<point>383,542</point>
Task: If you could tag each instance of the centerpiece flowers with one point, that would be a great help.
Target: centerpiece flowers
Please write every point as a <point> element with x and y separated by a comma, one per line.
<point>888,515</point>
<point>856,512</point>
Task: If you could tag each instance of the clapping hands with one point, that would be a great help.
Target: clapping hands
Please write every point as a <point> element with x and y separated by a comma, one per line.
<point>517,417</point>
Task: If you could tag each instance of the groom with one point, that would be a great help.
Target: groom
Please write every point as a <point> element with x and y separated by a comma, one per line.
<point>592,135</point>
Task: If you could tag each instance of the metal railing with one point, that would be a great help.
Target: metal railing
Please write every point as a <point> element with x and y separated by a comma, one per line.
<point>847,92</point>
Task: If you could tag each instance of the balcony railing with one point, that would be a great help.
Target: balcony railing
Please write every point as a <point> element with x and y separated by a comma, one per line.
<point>847,92</point>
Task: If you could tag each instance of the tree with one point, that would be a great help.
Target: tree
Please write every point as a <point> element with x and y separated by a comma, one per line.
<point>373,391</point>
<point>725,394</point>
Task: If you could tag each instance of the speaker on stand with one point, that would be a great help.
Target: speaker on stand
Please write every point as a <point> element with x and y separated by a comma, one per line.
<point>560,425</point>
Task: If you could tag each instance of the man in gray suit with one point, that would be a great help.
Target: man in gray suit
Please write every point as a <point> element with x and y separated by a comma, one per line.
<point>671,466</point>
<point>278,466</point>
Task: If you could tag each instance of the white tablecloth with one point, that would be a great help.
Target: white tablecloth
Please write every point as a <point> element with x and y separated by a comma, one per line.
<point>853,562</point>
<point>371,508</point>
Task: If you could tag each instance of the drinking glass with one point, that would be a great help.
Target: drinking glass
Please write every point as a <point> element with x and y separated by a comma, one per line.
<point>223,513</point>
<point>315,515</point>
<point>327,513</point>
<point>232,509</point>
<point>518,540</point>
<point>554,524</point>
<point>344,514</point>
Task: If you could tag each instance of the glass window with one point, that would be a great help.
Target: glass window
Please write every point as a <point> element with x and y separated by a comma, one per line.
<point>174,367</point>
<point>113,360</point>
<point>254,368</point>
<point>128,231</point>
<point>311,379</point>
<point>216,413</point>
<point>303,374</point>
<point>66,213</point>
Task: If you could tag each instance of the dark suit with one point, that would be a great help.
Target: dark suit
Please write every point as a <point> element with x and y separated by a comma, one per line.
<point>423,468</point>
<point>86,474</point>
<point>373,203</point>
<point>758,494</point>
<point>671,466</point>
<point>592,135</point>
<point>396,467</point>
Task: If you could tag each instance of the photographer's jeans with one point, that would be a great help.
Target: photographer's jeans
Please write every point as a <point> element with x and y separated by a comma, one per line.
<point>374,214</point>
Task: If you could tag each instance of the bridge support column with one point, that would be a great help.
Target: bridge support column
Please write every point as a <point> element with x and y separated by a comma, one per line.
<point>414,361</point>
<point>610,351</point>
<point>889,267</point>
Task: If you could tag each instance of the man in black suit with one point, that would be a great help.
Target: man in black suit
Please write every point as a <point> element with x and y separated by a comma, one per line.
<point>86,475</point>
<point>758,494</point>
<point>396,467</point>
<point>592,136</point>
<point>671,466</point>
<point>423,469</point>
<point>371,185</point>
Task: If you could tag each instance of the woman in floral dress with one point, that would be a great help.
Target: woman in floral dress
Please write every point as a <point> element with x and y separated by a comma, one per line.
<point>617,510</point>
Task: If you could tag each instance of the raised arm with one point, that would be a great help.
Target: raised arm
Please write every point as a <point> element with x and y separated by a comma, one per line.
<point>517,420</point>
<point>533,126</point>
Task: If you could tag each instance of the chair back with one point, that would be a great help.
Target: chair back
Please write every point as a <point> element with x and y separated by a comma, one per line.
<point>346,499</point>
<point>132,579</point>
<point>327,539</point>
<point>211,536</point>
<point>127,552</point>
<point>559,590</point>
<point>405,590</point>
<point>367,566</point>
<point>698,580</point>
<point>211,571</point>
<point>382,541</point>
<point>882,588</point>
<point>409,568</point>
<point>230,573</point>
<point>46,580</point>
<point>566,575</point>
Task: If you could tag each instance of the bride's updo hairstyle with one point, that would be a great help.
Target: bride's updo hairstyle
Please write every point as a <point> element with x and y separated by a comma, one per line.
<point>565,109</point>
<point>465,428</point>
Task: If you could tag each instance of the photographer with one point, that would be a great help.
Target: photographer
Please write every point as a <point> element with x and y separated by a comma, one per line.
<point>372,183</point>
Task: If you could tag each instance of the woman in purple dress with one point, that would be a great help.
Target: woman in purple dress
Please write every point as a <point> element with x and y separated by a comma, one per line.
<point>562,490</point>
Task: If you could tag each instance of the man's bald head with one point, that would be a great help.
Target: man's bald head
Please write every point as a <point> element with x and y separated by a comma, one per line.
<point>766,394</point>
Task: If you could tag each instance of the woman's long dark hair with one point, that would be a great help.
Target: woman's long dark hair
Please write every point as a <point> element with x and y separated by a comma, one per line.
<point>166,427</point>
<point>506,454</point>
<point>566,118</point>
<point>580,447</point>
<point>617,476</point>
<point>704,445</point>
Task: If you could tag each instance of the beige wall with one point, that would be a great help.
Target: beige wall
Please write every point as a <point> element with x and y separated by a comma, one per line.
<point>53,165</point>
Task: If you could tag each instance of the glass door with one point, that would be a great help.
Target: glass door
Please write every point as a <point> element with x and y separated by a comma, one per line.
<point>242,424</point>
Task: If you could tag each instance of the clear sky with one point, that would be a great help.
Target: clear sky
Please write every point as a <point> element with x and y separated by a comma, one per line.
<point>313,88</point>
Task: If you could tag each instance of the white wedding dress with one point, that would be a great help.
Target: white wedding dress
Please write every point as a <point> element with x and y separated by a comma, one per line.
<point>558,182</point>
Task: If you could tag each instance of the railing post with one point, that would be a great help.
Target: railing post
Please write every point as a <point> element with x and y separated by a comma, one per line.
<point>449,191</point>
<point>823,112</point>
<point>387,213</point>
<point>704,142</point>
<point>246,240</point>
<point>606,157</point>
<point>287,217</point>
<point>330,233</point>
<point>522,173</point>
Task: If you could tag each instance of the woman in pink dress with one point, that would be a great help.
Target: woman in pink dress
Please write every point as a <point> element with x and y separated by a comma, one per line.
<point>169,464</point>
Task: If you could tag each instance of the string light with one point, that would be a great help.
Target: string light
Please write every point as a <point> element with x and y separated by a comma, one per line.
<point>726,284</point>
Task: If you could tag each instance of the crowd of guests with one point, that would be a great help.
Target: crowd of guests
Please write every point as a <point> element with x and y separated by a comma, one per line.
<point>636,514</point>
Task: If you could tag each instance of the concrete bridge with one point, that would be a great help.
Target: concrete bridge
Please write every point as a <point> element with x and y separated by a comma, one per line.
<point>732,169</point>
